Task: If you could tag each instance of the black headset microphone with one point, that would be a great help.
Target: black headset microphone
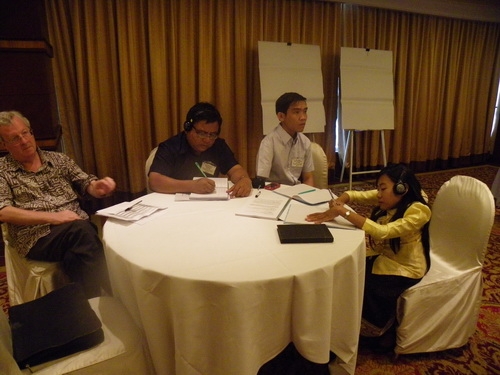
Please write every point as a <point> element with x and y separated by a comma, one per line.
<point>400,187</point>
<point>188,125</point>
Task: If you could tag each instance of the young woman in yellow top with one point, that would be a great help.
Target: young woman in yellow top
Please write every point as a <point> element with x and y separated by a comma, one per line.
<point>398,254</point>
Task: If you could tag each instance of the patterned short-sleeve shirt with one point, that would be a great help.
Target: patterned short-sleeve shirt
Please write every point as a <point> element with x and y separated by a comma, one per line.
<point>55,187</point>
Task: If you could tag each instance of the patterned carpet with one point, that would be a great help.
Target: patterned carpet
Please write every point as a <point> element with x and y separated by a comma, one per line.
<point>481,356</point>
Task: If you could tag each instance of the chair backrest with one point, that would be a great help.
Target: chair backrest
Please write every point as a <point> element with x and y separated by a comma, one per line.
<point>462,217</point>
<point>320,166</point>
<point>149,161</point>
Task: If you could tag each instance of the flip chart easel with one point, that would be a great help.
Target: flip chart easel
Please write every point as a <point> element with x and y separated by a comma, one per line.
<point>288,67</point>
<point>367,97</point>
<point>350,150</point>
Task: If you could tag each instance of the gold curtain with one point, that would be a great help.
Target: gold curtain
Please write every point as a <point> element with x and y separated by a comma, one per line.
<point>126,73</point>
<point>446,74</point>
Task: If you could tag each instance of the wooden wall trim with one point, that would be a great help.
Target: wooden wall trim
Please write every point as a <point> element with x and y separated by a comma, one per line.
<point>27,46</point>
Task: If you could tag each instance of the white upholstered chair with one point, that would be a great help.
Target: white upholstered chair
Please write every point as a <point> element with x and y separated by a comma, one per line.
<point>149,160</point>
<point>441,311</point>
<point>122,351</point>
<point>29,279</point>
<point>320,166</point>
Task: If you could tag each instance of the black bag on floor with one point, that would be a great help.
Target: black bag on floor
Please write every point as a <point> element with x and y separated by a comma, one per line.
<point>53,326</point>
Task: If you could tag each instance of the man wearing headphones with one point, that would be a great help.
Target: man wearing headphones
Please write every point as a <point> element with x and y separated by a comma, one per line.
<point>197,152</point>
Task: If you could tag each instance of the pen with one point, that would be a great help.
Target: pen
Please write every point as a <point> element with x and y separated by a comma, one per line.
<point>258,193</point>
<point>307,191</point>
<point>198,166</point>
<point>130,207</point>
<point>331,193</point>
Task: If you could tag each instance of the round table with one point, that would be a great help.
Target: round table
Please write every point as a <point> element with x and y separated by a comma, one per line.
<point>217,293</point>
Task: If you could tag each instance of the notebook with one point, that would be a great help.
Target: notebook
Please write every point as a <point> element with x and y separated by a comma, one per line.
<point>304,233</point>
<point>219,193</point>
<point>297,213</point>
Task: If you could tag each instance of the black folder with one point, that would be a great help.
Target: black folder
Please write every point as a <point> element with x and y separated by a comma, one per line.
<point>304,233</point>
<point>54,326</point>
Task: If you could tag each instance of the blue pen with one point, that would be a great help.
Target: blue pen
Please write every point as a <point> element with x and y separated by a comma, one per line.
<point>307,191</point>
<point>198,166</point>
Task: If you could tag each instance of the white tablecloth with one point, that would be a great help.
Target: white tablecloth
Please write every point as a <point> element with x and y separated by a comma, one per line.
<point>217,294</point>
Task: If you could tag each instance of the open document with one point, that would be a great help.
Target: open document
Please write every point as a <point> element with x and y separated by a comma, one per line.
<point>305,193</point>
<point>136,209</point>
<point>297,213</point>
<point>267,206</point>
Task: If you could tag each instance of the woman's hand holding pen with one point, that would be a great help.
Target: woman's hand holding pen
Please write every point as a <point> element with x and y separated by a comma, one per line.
<point>203,186</point>
<point>335,203</point>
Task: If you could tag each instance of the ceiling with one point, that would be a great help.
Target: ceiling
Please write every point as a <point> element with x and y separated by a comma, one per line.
<point>477,10</point>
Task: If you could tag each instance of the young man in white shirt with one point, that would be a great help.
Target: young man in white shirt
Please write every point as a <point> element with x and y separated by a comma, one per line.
<point>285,153</point>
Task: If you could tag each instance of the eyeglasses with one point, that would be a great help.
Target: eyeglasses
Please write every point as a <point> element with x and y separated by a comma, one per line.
<point>25,134</point>
<point>205,135</point>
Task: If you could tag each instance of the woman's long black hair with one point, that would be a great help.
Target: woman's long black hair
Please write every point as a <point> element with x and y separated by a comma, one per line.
<point>400,173</point>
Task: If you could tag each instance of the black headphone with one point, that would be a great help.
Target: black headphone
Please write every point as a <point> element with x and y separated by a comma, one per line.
<point>400,188</point>
<point>188,125</point>
<point>199,112</point>
<point>191,119</point>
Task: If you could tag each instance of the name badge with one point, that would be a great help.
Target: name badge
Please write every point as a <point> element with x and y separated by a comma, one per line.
<point>208,168</point>
<point>297,162</point>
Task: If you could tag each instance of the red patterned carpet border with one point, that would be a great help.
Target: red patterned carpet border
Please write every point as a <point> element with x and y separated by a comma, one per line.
<point>4,296</point>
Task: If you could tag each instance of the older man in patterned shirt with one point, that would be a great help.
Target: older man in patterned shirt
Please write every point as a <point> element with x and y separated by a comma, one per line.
<point>39,193</point>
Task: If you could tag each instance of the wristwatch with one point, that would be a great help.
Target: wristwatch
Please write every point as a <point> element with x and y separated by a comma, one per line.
<point>347,213</point>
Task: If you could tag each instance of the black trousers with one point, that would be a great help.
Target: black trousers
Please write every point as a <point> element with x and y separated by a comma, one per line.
<point>291,362</point>
<point>381,294</point>
<point>77,246</point>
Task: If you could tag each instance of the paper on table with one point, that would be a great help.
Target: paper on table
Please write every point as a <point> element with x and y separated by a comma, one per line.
<point>158,200</point>
<point>264,207</point>
<point>129,211</point>
<point>297,214</point>
<point>305,193</point>
<point>220,192</point>
<point>181,197</point>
